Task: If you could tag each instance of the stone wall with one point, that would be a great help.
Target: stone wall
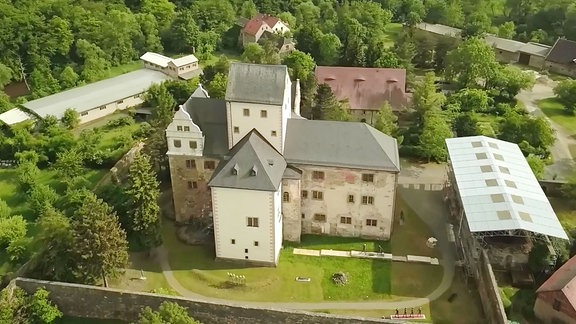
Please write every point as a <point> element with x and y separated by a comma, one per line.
<point>105,303</point>
<point>489,292</point>
<point>119,172</point>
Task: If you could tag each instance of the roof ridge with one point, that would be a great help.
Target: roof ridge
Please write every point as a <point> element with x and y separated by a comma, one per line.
<point>369,128</point>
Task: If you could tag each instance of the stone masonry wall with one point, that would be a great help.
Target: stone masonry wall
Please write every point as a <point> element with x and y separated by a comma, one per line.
<point>105,303</point>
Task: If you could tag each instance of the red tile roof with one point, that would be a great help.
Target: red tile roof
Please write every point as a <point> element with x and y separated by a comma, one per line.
<point>254,24</point>
<point>365,88</point>
<point>564,280</point>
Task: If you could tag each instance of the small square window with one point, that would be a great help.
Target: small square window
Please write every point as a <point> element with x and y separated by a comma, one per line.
<point>84,113</point>
<point>256,243</point>
<point>236,129</point>
<point>263,113</point>
<point>367,200</point>
<point>371,222</point>
<point>246,112</point>
<point>351,198</point>
<point>252,222</point>
<point>304,194</point>
<point>189,184</point>
<point>368,177</point>
<point>317,195</point>
<point>245,250</point>
<point>177,143</point>
<point>233,241</point>
<point>320,217</point>
<point>179,128</point>
<point>191,164</point>
<point>209,165</point>
<point>273,133</point>
<point>318,175</point>
<point>102,107</point>
<point>193,144</point>
<point>120,101</point>
<point>246,257</point>
<point>186,128</point>
<point>303,216</point>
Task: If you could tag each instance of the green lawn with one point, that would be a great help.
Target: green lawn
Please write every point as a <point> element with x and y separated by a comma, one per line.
<point>555,111</point>
<point>566,213</point>
<point>231,55</point>
<point>465,306</point>
<point>391,32</point>
<point>124,68</point>
<point>130,280</point>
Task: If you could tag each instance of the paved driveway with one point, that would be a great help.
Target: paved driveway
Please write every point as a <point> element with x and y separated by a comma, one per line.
<point>563,165</point>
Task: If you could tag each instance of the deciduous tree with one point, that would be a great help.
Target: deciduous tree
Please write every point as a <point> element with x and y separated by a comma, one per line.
<point>434,132</point>
<point>471,63</point>
<point>71,118</point>
<point>566,93</point>
<point>217,87</point>
<point>537,165</point>
<point>300,65</point>
<point>425,97</point>
<point>168,312</point>
<point>386,120</point>
<point>19,308</point>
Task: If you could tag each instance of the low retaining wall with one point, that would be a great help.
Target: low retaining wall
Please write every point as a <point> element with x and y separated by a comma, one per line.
<point>105,303</point>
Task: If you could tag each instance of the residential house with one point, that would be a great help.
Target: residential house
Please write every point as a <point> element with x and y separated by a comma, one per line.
<point>185,67</point>
<point>562,58</point>
<point>556,298</point>
<point>264,27</point>
<point>366,89</point>
<point>273,175</point>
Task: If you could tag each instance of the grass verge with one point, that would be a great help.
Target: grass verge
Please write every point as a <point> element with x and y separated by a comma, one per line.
<point>552,108</point>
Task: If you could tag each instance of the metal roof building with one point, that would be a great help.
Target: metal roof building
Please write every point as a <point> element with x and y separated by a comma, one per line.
<point>96,94</point>
<point>498,189</point>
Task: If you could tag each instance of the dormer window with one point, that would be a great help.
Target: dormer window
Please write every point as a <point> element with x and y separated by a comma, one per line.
<point>235,169</point>
<point>360,79</point>
<point>254,171</point>
<point>179,128</point>
<point>186,128</point>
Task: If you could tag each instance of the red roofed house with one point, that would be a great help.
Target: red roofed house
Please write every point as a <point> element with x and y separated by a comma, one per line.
<point>366,89</point>
<point>556,298</point>
<point>255,28</point>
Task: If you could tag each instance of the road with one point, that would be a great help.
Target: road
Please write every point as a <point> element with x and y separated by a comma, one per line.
<point>563,164</point>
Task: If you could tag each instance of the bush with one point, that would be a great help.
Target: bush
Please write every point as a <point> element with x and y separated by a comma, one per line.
<point>12,229</point>
<point>115,123</point>
<point>143,131</point>
<point>18,250</point>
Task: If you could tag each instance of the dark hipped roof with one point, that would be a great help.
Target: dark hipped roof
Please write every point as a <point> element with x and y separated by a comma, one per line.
<point>256,83</point>
<point>563,52</point>
<point>252,164</point>
<point>340,144</point>
<point>210,115</point>
<point>563,279</point>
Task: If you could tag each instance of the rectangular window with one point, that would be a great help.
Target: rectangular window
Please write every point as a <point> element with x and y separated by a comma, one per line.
<point>345,220</point>
<point>236,129</point>
<point>136,96</point>
<point>368,177</point>
<point>273,133</point>
<point>209,165</point>
<point>179,128</point>
<point>194,185</point>
<point>303,216</point>
<point>318,195</point>
<point>286,196</point>
<point>318,175</point>
<point>246,112</point>
<point>245,250</point>
<point>256,243</point>
<point>177,143</point>
<point>304,194</point>
<point>102,107</point>
<point>319,217</point>
<point>233,241</point>
<point>191,164</point>
<point>186,128</point>
<point>84,113</point>
<point>371,222</point>
<point>120,101</point>
<point>351,198</point>
<point>193,144</point>
<point>263,113</point>
<point>189,184</point>
<point>367,200</point>
<point>252,221</point>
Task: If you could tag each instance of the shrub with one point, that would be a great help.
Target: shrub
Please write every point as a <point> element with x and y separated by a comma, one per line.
<point>115,123</point>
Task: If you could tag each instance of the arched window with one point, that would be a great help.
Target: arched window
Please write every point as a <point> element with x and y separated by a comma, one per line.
<point>286,197</point>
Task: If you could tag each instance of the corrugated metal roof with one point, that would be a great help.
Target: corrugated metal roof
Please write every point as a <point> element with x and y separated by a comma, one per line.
<point>254,164</point>
<point>340,144</point>
<point>96,94</point>
<point>156,58</point>
<point>256,83</point>
<point>365,88</point>
<point>498,189</point>
<point>13,116</point>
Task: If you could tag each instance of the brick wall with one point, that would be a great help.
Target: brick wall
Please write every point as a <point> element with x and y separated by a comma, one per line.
<point>104,303</point>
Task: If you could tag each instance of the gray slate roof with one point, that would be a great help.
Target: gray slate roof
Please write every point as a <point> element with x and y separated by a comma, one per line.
<point>96,94</point>
<point>256,83</point>
<point>340,144</point>
<point>563,52</point>
<point>508,45</point>
<point>253,152</point>
<point>210,115</point>
<point>535,49</point>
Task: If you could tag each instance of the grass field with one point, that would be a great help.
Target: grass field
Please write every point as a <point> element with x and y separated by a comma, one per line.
<point>465,307</point>
<point>154,282</point>
<point>392,31</point>
<point>566,213</point>
<point>555,111</point>
<point>124,68</point>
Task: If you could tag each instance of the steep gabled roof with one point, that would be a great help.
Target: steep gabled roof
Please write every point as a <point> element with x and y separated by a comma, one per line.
<point>563,52</point>
<point>252,164</point>
<point>365,88</point>
<point>256,83</point>
<point>563,279</point>
<point>252,26</point>
<point>340,144</point>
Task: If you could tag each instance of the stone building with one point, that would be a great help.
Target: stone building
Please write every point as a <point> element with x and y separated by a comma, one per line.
<point>265,174</point>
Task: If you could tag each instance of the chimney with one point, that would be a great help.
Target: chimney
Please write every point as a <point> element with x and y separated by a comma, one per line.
<point>296,99</point>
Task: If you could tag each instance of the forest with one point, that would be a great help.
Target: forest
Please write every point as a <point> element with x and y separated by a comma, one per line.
<point>58,44</point>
